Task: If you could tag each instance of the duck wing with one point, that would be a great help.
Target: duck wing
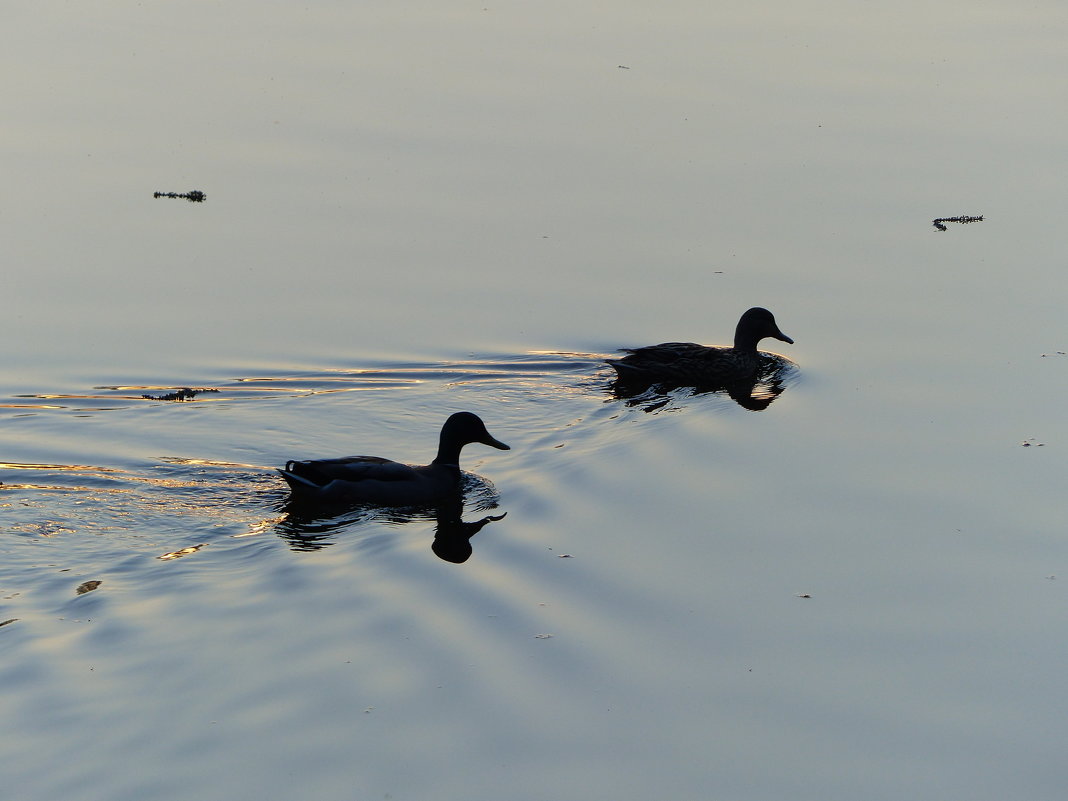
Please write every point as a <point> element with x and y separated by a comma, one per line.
<point>668,359</point>
<point>665,352</point>
<point>320,472</point>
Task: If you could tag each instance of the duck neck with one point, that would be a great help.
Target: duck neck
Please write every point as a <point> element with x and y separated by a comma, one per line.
<point>745,340</point>
<point>448,453</point>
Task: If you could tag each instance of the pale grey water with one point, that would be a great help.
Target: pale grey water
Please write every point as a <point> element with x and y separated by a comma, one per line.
<point>429,207</point>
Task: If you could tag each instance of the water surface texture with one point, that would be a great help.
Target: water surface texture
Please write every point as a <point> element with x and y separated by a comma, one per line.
<point>852,589</point>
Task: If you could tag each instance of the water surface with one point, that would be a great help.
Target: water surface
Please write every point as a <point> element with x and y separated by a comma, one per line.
<point>856,592</point>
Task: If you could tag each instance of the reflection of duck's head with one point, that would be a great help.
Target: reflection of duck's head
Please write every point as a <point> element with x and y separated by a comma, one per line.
<point>374,480</point>
<point>689,364</point>
<point>452,541</point>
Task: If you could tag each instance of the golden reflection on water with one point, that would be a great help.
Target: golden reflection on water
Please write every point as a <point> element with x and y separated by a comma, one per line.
<point>535,370</point>
<point>181,460</point>
<point>191,494</point>
<point>125,475</point>
<point>260,526</point>
<point>46,528</point>
<point>73,468</point>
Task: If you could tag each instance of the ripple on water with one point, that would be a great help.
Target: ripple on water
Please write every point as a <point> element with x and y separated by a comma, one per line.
<point>164,566</point>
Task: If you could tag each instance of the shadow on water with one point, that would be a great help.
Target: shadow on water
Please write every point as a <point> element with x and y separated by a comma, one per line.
<point>754,393</point>
<point>311,527</point>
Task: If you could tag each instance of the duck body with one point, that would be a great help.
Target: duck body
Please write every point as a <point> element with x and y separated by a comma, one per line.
<point>690,364</point>
<point>370,479</point>
<point>384,482</point>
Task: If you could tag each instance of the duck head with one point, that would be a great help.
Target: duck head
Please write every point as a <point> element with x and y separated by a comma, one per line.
<point>462,429</point>
<point>755,325</point>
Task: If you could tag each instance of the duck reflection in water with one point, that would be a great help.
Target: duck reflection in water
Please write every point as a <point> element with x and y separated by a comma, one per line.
<point>309,527</point>
<point>752,378</point>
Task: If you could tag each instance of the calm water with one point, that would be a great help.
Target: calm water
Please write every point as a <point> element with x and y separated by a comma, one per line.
<point>858,592</point>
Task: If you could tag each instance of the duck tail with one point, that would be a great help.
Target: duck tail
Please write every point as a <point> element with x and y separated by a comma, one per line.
<point>623,370</point>
<point>296,482</point>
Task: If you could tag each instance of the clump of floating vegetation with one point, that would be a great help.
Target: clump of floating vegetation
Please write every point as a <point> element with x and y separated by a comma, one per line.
<point>963,218</point>
<point>183,394</point>
<point>193,196</point>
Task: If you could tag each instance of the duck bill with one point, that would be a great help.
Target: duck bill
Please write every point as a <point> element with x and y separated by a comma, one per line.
<point>780,335</point>
<point>495,443</point>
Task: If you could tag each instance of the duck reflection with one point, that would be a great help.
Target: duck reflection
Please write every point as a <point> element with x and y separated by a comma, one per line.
<point>452,537</point>
<point>755,391</point>
<point>309,528</point>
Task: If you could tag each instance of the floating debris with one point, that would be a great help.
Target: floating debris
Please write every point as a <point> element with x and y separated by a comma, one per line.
<point>87,586</point>
<point>543,636</point>
<point>193,196</point>
<point>9,620</point>
<point>182,394</point>
<point>1055,353</point>
<point>183,552</point>
<point>1027,443</point>
<point>803,595</point>
<point>963,218</point>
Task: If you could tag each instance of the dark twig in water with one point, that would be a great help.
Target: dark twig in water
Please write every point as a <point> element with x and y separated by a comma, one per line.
<point>964,218</point>
<point>183,394</point>
<point>193,196</point>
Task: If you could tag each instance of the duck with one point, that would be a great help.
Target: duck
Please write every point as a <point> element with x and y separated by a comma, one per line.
<point>690,364</point>
<point>384,482</point>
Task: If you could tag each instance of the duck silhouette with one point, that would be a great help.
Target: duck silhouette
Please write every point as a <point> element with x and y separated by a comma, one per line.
<point>384,482</point>
<point>689,364</point>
